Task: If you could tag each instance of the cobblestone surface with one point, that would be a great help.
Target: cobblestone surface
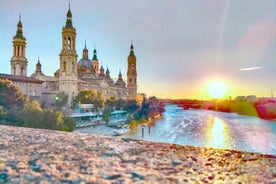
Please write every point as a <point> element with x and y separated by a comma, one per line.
<point>44,156</point>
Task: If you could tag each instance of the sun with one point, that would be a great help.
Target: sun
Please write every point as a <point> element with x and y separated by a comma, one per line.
<point>217,89</point>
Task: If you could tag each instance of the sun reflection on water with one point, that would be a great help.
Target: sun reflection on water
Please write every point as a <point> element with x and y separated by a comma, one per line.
<point>218,135</point>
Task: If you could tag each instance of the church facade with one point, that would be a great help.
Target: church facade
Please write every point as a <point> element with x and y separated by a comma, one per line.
<point>73,75</point>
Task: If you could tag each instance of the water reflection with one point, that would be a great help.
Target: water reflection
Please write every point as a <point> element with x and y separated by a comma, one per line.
<point>217,133</point>
<point>208,129</point>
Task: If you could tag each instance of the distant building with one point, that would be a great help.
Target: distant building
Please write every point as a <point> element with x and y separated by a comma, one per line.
<point>72,76</point>
<point>29,86</point>
<point>251,98</point>
<point>240,98</point>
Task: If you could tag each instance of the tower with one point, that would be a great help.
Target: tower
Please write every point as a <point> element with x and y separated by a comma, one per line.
<point>38,68</point>
<point>68,75</point>
<point>95,63</point>
<point>84,64</point>
<point>132,74</point>
<point>19,61</point>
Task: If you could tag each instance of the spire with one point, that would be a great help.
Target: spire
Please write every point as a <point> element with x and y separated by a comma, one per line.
<point>85,45</point>
<point>120,75</point>
<point>69,23</point>
<point>95,55</point>
<point>102,69</point>
<point>19,32</point>
<point>107,73</point>
<point>107,70</point>
<point>38,62</point>
<point>85,52</point>
<point>38,67</point>
<point>131,49</point>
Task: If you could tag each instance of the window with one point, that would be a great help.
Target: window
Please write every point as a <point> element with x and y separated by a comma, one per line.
<point>69,43</point>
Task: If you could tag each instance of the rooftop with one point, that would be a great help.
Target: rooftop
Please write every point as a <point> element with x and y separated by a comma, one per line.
<point>18,78</point>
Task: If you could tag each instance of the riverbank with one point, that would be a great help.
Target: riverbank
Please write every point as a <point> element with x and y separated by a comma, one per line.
<point>262,108</point>
<point>32,155</point>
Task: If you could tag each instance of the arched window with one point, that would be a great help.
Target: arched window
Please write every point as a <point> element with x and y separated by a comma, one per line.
<point>64,65</point>
<point>17,51</point>
<point>64,43</point>
<point>69,43</point>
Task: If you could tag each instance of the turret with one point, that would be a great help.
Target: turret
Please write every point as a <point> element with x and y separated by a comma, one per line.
<point>19,61</point>
<point>68,72</point>
<point>132,74</point>
<point>95,63</point>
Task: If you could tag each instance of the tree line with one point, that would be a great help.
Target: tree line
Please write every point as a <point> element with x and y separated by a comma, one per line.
<point>19,110</point>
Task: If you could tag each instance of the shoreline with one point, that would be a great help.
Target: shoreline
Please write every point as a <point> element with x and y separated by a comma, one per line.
<point>31,155</point>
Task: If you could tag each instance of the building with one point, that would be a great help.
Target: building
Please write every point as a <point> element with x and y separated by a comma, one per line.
<point>28,85</point>
<point>73,75</point>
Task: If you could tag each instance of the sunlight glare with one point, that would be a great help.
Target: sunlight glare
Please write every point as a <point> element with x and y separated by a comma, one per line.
<point>217,133</point>
<point>217,89</point>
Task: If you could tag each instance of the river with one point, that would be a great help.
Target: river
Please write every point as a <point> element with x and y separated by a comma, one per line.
<point>206,129</point>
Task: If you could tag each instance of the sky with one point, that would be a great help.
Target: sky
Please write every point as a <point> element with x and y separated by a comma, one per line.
<point>181,46</point>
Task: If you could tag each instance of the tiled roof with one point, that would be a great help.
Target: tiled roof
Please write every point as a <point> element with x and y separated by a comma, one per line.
<point>18,78</point>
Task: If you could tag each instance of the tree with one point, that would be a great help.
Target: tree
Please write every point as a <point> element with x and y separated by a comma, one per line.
<point>10,95</point>
<point>85,97</point>
<point>61,99</point>
<point>3,113</point>
<point>91,97</point>
<point>99,101</point>
<point>131,106</point>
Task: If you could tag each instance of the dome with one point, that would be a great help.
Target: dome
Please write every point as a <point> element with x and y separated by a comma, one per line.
<point>85,63</point>
<point>120,83</point>
<point>109,81</point>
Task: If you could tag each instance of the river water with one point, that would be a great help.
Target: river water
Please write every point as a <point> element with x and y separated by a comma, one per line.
<point>211,129</point>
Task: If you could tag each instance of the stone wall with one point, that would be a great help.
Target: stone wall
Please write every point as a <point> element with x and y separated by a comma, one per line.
<point>44,156</point>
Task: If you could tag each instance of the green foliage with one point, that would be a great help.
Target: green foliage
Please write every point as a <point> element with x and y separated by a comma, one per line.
<point>132,123</point>
<point>244,108</point>
<point>12,117</point>
<point>31,117</point>
<point>69,124</point>
<point>61,99</point>
<point>99,101</point>
<point>3,114</point>
<point>10,95</point>
<point>85,97</point>
<point>46,119</point>
<point>151,108</point>
<point>50,117</point>
<point>17,110</point>
<point>91,97</point>
<point>131,106</point>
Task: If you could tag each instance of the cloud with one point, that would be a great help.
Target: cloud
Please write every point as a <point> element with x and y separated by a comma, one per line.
<point>251,68</point>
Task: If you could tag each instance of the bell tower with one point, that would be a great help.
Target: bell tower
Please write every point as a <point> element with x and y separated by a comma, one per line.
<point>132,74</point>
<point>19,61</point>
<point>68,75</point>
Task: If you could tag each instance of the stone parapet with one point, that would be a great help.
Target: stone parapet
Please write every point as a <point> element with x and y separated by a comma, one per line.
<point>44,156</point>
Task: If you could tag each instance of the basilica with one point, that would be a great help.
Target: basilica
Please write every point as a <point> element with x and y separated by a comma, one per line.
<point>73,75</point>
